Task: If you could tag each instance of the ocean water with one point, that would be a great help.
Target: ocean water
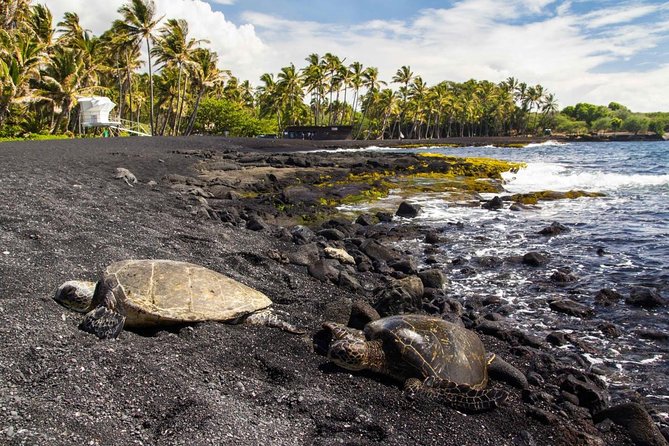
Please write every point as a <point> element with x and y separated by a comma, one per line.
<point>617,241</point>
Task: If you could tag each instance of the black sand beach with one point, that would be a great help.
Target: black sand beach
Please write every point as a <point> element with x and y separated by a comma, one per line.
<point>63,216</point>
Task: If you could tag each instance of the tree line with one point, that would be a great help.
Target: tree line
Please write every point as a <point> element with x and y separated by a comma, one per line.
<point>177,87</point>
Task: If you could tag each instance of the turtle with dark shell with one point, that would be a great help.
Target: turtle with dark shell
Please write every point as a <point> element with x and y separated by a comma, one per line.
<point>154,293</point>
<point>429,355</point>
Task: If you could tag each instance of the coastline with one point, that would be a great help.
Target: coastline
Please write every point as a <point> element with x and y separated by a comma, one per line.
<point>64,216</point>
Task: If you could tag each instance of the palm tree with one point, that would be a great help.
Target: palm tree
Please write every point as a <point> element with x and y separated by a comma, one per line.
<point>13,13</point>
<point>403,76</point>
<point>331,65</point>
<point>124,56</point>
<point>313,79</point>
<point>357,81</point>
<point>40,22</point>
<point>549,106</point>
<point>62,81</point>
<point>373,84</point>
<point>418,93</point>
<point>138,23</point>
<point>206,76</point>
<point>388,107</point>
<point>269,99</point>
<point>174,48</point>
<point>20,65</point>
<point>344,75</point>
<point>289,88</point>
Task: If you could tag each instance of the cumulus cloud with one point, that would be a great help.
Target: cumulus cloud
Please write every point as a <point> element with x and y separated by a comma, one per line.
<point>238,46</point>
<point>536,41</point>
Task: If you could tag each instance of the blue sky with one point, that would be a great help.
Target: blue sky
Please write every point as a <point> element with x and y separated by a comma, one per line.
<point>581,50</point>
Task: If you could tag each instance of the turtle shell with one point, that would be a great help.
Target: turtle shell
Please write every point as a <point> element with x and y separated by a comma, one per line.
<point>418,346</point>
<point>164,292</point>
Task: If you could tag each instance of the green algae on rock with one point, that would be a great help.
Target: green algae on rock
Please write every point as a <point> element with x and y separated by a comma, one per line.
<point>550,195</point>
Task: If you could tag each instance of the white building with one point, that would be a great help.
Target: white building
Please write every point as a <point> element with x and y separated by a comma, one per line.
<point>95,111</point>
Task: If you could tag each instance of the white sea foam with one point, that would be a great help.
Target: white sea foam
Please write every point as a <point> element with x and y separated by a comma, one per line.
<point>551,176</point>
<point>353,149</point>
<point>550,142</point>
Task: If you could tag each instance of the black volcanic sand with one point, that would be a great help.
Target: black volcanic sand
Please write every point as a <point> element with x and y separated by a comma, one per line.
<point>63,216</point>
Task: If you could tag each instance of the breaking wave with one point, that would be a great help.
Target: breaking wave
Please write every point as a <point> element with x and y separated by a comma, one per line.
<point>552,176</point>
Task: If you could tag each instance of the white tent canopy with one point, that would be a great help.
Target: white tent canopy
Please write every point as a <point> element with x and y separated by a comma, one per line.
<point>95,111</point>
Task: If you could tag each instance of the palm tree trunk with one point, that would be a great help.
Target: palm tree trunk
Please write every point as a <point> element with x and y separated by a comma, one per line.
<point>175,129</point>
<point>193,115</point>
<point>148,50</point>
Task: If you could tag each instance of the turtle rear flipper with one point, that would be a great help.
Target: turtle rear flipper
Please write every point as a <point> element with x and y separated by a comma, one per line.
<point>269,318</point>
<point>103,323</point>
<point>457,396</point>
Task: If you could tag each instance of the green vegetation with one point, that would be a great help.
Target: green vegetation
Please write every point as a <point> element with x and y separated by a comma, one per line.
<point>585,118</point>
<point>430,173</point>
<point>46,66</point>
<point>549,195</point>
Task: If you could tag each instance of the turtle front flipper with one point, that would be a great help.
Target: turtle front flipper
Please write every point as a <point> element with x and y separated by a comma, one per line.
<point>455,395</point>
<point>103,323</point>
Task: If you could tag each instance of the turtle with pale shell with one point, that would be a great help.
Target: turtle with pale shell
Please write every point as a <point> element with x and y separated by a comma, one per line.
<point>154,293</point>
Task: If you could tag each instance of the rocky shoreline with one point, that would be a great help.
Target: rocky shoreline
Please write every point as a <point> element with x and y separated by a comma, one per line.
<point>265,215</point>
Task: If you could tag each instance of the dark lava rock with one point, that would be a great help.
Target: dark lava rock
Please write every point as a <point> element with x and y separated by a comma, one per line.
<point>490,261</point>
<point>636,421</point>
<point>302,235</point>
<point>361,314</point>
<point>304,255</point>
<point>406,265</point>
<point>364,220</point>
<point>557,338</point>
<point>518,207</point>
<point>504,332</point>
<point>535,259</point>
<point>376,251</point>
<point>645,297</point>
<point>300,195</point>
<point>654,335</point>
<point>324,270</point>
<point>609,330</point>
<point>255,223</point>
<point>607,297</point>
<point>495,204</point>
<point>402,296</point>
<point>349,282</point>
<point>331,234</point>
<point>433,278</point>
<point>408,210</point>
<point>589,393</point>
<point>542,415</point>
<point>570,307</point>
<point>384,217</point>
<point>563,277</point>
<point>554,229</point>
<point>432,238</point>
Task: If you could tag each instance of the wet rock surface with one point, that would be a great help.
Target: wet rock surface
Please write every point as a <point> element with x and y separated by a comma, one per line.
<point>64,216</point>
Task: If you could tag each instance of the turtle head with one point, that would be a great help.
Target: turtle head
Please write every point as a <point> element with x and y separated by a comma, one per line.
<point>350,354</point>
<point>75,295</point>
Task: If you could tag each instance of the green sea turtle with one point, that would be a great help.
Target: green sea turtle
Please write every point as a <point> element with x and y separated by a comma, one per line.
<point>153,293</point>
<point>430,355</point>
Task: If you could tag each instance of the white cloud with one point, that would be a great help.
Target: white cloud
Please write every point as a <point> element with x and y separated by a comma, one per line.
<point>486,39</point>
<point>536,41</point>
<point>238,47</point>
